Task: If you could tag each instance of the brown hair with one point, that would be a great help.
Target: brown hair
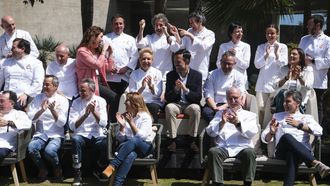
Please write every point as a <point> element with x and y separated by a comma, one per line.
<point>137,102</point>
<point>92,31</point>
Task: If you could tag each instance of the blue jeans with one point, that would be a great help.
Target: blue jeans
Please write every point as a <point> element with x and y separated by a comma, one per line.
<point>51,147</point>
<point>293,152</point>
<point>4,152</point>
<point>128,151</point>
<point>79,143</point>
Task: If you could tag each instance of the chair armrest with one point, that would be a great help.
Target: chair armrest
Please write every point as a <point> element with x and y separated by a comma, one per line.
<point>111,136</point>
<point>201,146</point>
<point>317,148</point>
<point>23,139</point>
<point>157,140</point>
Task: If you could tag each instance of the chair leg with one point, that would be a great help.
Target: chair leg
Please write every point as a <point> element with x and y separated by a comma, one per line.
<point>312,180</point>
<point>153,173</point>
<point>112,178</point>
<point>22,167</point>
<point>206,177</point>
<point>14,173</point>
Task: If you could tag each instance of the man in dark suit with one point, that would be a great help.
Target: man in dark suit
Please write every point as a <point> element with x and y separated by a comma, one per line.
<point>183,94</point>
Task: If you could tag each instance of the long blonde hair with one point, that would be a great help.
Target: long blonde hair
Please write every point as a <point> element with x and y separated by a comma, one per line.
<point>137,102</point>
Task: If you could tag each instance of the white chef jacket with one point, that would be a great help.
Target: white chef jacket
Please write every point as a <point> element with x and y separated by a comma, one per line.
<point>25,75</point>
<point>89,128</point>
<point>8,135</point>
<point>162,57</point>
<point>6,43</point>
<point>135,83</point>
<point>46,126</point>
<point>270,67</point>
<point>125,53</point>
<point>231,138</point>
<point>319,49</point>
<point>66,75</point>
<point>200,49</point>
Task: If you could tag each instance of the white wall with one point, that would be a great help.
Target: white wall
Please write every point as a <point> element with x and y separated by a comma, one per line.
<point>60,19</point>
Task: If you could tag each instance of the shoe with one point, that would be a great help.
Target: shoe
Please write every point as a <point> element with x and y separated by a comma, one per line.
<point>99,176</point>
<point>108,171</point>
<point>58,174</point>
<point>322,169</point>
<point>42,175</point>
<point>77,178</point>
<point>172,147</point>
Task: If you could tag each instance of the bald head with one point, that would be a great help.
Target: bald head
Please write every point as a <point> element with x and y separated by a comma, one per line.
<point>8,24</point>
<point>62,53</point>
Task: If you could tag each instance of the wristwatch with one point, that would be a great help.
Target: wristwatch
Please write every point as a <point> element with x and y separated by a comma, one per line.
<point>300,126</point>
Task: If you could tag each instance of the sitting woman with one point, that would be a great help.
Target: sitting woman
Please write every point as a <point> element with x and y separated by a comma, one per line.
<point>295,76</point>
<point>147,80</point>
<point>135,135</point>
<point>291,131</point>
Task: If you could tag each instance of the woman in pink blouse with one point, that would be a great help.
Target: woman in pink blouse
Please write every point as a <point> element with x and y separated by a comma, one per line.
<point>92,61</point>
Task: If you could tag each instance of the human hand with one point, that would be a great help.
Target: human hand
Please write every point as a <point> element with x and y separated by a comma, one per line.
<point>178,85</point>
<point>51,106</point>
<point>120,119</point>
<point>232,117</point>
<point>129,117</point>
<point>142,24</point>
<point>44,104</point>
<point>273,126</point>
<point>3,122</point>
<point>291,121</point>
<point>233,50</point>
<point>123,70</point>
<point>22,99</point>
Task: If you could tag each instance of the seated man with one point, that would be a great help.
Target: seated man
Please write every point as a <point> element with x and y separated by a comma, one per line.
<point>22,73</point>
<point>48,112</point>
<point>232,129</point>
<point>88,117</point>
<point>183,94</point>
<point>218,82</point>
<point>11,121</point>
<point>291,130</point>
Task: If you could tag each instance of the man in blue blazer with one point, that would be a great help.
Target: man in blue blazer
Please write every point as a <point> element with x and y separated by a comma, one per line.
<point>183,94</point>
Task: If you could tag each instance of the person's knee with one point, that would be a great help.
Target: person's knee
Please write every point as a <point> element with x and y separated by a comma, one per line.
<point>249,153</point>
<point>213,151</point>
<point>33,147</point>
<point>170,109</point>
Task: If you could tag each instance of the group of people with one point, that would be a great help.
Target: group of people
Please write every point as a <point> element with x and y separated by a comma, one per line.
<point>82,95</point>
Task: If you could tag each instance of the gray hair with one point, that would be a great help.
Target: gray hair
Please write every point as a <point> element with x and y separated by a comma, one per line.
<point>296,96</point>
<point>55,80</point>
<point>90,83</point>
<point>159,16</point>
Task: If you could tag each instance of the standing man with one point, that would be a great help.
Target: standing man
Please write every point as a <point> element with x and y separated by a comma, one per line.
<point>198,40</point>
<point>22,73</point>
<point>183,94</point>
<point>233,130</point>
<point>11,121</point>
<point>125,57</point>
<point>316,46</point>
<point>218,82</point>
<point>88,117</point>
<point>11,33</point>
<point>48,112</point>
<point>161,43</point>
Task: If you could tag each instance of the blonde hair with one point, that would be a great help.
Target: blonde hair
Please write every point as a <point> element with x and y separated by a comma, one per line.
<point>137,102</point>
<point>145,50</point>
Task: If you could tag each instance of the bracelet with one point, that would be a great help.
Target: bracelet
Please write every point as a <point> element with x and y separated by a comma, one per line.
<point>300,126</point>
<point>286,78</point>
<point>270,132</point>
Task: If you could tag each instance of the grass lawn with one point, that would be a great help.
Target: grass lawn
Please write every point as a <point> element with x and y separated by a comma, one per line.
<point>145,182</point>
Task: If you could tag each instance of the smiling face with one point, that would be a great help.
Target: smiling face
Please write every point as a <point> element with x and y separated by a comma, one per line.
<point>271,34</point>
<point>8,24</point>
<point>158,25</point>
<point>195,25</point>
<point>146,60</point>
<point>237,34</point>
<point>118,25</point>
<point>290,105</point>
<point>48,87</point>
<point>227,64</point>
<point>18,53</point>
<point>85,92</point>
<point>294,58</point>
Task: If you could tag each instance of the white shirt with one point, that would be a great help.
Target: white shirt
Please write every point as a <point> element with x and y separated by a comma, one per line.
<point>89,128</point>
<point>66,75</point>
<point>124,54</point>
<point>242,55</point>
<point>46,126</point>
<point>217,84</point>
<point>162,57</point>
<point>319,49</point>
<point>231,138</point>
<point>143,122</point>
<point>270,67</point>
<point>22,76</point>
<point>135,83</point>
<point>306,73</point>
<point>200,49</point>
<point>299,135</point>
<point>6,43</point>
<point>8,138</point>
